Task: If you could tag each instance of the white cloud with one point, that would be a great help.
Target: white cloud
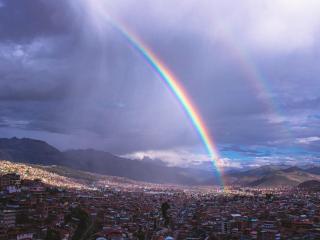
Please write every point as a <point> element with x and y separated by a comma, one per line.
<point>308,140</point>
<point>273,25</point>
<point>172,157</point>
<point>285,24</point>
<point>229,163</point>
<point>181,157</point>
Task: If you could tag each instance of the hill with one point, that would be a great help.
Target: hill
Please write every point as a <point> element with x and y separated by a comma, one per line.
<point>247,178</point>
<point>272,176</point>
<point>314,170</point>
<point>39,152</point>
<point>27,150</point>
<point>312,185</point>
<point>65,177</point>
<point>32,172</point>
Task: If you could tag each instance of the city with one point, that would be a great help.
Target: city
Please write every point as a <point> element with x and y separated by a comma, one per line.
<point>31,209</point>
<point>159,120</point>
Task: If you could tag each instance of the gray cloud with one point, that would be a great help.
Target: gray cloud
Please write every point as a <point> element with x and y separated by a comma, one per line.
<point>23,21</point>
<point>68,77</point>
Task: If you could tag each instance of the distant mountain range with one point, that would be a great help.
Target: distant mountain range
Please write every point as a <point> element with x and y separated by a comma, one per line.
<point>273,176</point>
<point>32,151</point>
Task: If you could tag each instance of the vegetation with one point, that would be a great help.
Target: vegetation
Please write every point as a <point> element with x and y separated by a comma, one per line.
<point>164,210</point>
<point>53,235</point>
<point>82,219</point>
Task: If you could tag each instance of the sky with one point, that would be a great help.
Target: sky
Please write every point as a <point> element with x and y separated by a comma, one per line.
<point>250,67</point>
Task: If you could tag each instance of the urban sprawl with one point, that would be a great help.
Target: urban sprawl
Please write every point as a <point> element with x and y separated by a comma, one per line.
<point>33,209</point>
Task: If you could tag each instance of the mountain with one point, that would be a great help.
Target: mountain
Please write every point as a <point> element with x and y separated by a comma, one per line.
<point>39,152</point>
<point>99,162</point>
<point>293,169</point>
<point>314,170</point>
<point>27,150</point>
<point>106,163</point>
<point>274,180</point>
<point>246,178</point>
<point>273,176</point>
<point>260,171</point>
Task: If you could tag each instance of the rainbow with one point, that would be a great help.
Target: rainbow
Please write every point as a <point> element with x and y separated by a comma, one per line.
<point>249,70</point>
<point>254,77</point>
<point>169,79</point>
<point>179,92</point>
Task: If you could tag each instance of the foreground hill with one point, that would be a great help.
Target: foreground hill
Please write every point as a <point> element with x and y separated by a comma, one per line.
<point>39,152</point>
<point>46,175</point>
<point>66,177</point>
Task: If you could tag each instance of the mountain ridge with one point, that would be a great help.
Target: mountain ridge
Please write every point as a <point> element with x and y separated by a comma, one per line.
<point>26,150</point>
<point>31,151</point>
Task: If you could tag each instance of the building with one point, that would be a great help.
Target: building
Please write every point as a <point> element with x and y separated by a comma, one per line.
<point>8,218</point>
<point>10,179</point>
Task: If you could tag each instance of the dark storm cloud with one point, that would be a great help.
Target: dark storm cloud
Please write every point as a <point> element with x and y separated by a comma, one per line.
<point>10,92</point>
<point>35,43</point>
<point>68,77</point>
<point>24,20</point>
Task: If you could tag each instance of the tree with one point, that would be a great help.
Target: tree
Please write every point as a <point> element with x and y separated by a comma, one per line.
<point>164,210</point>
<point>53,235</point>
<point>140,234</point>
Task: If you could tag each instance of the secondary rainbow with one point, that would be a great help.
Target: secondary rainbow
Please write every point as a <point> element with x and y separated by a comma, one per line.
<point>178,91</point>
<point>255,77</point>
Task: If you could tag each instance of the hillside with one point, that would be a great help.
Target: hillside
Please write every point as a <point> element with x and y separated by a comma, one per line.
<point>247,178</point>
<point>314,170</point>
<point>38,152</point>
<point>65,177</point>
<point>27,150</point>
<point>275,180</point>
<point>312,185</point>
<point>100,163</point>
<point>272,176</point>
<point>31,172</point>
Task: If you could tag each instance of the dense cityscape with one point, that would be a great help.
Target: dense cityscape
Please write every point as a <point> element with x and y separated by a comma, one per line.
<point>32,209</point>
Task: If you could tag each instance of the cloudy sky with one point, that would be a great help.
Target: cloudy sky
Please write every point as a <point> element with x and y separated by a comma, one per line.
<point>251,68</point>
